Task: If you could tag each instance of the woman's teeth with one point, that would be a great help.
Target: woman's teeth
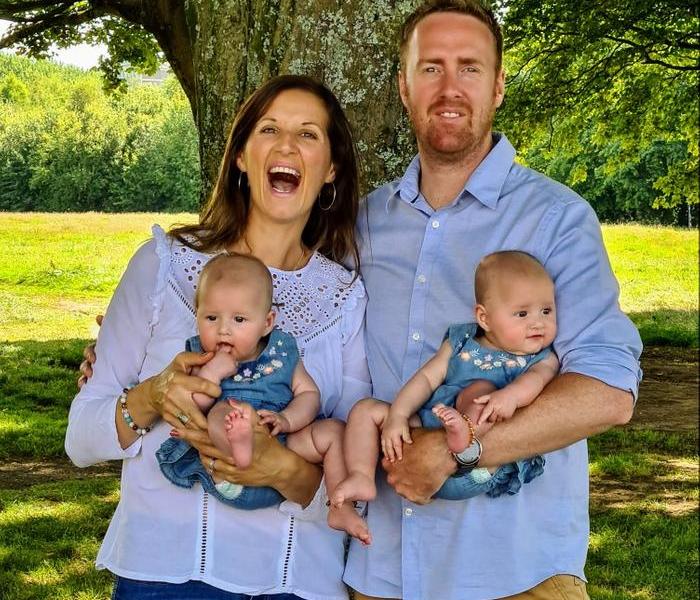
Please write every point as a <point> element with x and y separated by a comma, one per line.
<point>284,179</point>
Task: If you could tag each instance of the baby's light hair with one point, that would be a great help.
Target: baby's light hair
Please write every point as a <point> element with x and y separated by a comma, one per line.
<point>501,266</point>
<point>240,269</point>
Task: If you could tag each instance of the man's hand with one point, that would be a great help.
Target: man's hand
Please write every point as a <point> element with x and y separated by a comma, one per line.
<point>90,357</point>
<point>426,464</point>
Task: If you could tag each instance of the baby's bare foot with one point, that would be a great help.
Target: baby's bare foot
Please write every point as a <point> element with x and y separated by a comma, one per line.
<point>458,434</point>
<point>345,518</point>
<point>239,432</point>
<point>355,486</point>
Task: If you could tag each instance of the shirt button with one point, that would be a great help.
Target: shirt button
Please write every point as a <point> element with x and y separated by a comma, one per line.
<point>408,512</point>
<point>421,278</point>
<point>415,336</point>
<point>436,224</point>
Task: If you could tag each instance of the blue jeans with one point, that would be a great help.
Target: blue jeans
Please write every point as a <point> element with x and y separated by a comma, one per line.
<point>132,589</point>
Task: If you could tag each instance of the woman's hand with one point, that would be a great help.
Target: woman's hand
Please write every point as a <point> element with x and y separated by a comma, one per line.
<point>89,357</point>
<point>170,392</point>
<point>167,395</point>
<point>273,465</point>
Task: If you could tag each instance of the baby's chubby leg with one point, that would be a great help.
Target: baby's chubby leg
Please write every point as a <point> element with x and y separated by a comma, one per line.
<point>458,433</point>
<point>361,445</point>
<point>231,429</point>
<point>220,366</point>
<point>323,441</point>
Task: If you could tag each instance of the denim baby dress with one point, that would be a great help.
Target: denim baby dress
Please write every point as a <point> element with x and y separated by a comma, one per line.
<point>470,362</point>
<point>264,383</point>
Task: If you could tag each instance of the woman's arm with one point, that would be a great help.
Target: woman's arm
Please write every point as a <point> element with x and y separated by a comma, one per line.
<point>92,431</point>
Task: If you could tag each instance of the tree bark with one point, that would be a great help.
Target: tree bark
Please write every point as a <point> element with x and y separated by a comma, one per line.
<point>349,44</point>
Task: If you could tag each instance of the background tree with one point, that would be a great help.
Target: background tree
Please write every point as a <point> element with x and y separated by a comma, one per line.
<point>604,96</point>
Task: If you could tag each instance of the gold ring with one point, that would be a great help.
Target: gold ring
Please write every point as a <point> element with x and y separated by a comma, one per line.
<point>211,465</point>
<point>183,418</point>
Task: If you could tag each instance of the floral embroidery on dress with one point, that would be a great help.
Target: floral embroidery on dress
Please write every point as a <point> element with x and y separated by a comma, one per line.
<point>491,360</point>
<point>261,369</point>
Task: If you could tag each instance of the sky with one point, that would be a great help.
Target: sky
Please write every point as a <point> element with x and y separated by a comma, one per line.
<point>83,56</point>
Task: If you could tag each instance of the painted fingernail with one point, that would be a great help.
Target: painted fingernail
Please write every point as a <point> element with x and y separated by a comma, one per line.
<point>174,433</point>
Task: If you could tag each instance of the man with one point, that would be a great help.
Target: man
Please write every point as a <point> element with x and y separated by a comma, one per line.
<point>463,197</point>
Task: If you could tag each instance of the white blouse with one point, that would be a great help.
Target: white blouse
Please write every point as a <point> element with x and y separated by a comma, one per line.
<point>161,532</point>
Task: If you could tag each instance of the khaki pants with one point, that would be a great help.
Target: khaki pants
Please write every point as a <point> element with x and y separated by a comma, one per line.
<point>559,587</point>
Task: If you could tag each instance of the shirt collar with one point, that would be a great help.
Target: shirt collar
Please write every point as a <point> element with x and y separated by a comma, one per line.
<point>485,183</point>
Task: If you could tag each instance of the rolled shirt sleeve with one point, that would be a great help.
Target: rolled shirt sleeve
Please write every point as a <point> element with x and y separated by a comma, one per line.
<point>595,338</point>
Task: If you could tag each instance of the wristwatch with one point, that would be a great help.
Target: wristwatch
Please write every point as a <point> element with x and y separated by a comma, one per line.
<point>468,458</point>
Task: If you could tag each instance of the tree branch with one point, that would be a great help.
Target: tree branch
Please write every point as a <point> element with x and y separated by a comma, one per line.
<point>71,20</point>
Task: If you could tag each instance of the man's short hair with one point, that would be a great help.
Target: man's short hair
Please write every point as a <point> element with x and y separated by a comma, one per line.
<point>472,8</point>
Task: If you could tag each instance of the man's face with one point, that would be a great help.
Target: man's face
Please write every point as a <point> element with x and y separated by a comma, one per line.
<point>450,86</point>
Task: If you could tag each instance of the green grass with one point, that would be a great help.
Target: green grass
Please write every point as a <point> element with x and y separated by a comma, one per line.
<point>644,516</point>
<point>49,537</point>
<point>657,268</point>
<point>62,268</point>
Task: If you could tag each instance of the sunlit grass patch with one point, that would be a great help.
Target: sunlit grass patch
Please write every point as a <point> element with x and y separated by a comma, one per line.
<point>644,515</point>
<point>49,537</point>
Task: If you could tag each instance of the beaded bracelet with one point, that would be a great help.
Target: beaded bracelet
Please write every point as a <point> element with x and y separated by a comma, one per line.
<point>127,415</point>
<point>470,424</point>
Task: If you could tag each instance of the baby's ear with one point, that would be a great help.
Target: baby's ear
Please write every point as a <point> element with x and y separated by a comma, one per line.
<point>270,321</point>
<point>482,317</point>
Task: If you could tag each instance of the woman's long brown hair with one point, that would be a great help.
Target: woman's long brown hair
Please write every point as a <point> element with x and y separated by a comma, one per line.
<point>332,232</point>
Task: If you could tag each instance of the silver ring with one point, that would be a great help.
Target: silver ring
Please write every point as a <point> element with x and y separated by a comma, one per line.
<point>183,418</point>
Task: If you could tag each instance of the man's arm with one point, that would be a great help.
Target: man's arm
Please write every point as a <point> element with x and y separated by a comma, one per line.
<point>571,407</point>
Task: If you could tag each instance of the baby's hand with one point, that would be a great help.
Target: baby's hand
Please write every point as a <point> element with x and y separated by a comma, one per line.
<point>394,433</point>
<point>500,405</point>
<point>277,421</point>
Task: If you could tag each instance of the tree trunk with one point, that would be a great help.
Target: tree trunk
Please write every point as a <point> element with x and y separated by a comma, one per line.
<point>351,45</point>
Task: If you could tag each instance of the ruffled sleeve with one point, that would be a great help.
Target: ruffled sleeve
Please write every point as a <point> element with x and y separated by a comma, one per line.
<point>163,251</point>
<point>121,349</point>
<point>356,380</point>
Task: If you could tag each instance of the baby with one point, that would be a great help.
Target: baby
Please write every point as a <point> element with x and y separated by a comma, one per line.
<point>502,362</point>
<point>261,377</point>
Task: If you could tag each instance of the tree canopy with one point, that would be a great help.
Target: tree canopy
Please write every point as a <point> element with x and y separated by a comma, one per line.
<point>602,94</point>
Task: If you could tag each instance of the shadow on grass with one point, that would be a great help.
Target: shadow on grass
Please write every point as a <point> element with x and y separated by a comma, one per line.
<point>667,327</point>
<point>49,536</point>
<point>37,385</point>
<point>644,515</point>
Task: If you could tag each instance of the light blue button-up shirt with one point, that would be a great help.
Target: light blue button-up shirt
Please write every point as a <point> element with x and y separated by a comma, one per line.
<point>418,266</point>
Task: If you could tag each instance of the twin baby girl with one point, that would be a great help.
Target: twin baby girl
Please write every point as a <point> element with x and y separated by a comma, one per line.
<point>481,374</point>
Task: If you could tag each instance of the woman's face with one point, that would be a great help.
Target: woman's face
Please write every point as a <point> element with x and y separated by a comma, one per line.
<point>287,158</point>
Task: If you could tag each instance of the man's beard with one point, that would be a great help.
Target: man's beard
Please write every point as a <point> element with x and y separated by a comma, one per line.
<point>446,144</point>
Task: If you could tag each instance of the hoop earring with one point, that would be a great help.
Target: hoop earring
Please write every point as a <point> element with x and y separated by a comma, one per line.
<point>332,201</point>
<point>240,177</point>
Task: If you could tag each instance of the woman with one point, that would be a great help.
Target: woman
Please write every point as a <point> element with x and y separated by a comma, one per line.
<point>287,193</point>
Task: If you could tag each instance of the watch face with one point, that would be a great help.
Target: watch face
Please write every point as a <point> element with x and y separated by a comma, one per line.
<point>470,454</point>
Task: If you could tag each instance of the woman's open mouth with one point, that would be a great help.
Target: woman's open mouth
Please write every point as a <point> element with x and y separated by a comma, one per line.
<point>284,180</point>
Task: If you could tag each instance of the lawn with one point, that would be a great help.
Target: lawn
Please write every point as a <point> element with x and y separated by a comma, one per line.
<point>644,484</point>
